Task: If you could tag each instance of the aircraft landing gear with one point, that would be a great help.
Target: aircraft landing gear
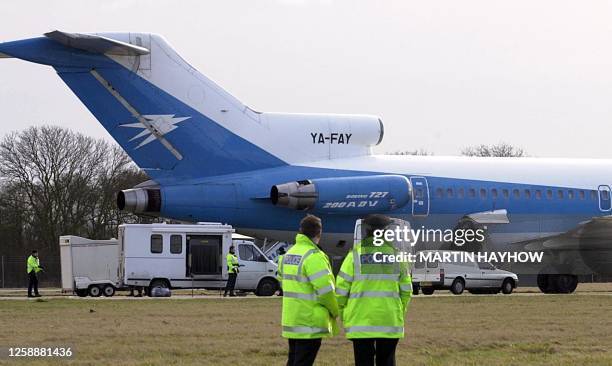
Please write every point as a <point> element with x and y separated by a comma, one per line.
<point>557,283</point>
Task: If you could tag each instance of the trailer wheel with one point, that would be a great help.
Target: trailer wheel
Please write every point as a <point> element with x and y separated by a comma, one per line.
<point>266,287</point>
<point>94,291</point>
<point>108,290</point>
<point>81,292</point>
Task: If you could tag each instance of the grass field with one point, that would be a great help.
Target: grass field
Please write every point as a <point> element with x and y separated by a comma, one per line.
<point>454,330</point>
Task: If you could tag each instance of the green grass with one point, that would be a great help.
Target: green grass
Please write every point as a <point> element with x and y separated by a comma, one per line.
<point>458,330</point>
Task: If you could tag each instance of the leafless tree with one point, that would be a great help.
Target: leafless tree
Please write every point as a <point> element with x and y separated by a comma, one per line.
<point>499,150</point>
<point>56,182</point>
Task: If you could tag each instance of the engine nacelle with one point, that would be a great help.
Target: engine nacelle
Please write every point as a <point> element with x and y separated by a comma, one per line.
<point>349,195</point>
<point>139,200</point>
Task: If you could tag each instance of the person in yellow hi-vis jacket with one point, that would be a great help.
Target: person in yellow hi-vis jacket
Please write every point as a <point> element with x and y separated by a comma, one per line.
<point>373,297</point>
<point>309,300</point>
<point>232,272</point>
<point>33,267</point>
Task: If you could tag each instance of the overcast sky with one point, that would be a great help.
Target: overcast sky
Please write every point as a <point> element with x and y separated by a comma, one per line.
<point>442,74</point>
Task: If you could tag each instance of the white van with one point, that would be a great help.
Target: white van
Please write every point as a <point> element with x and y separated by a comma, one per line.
<point>476,277</point>
<point>191,256</point>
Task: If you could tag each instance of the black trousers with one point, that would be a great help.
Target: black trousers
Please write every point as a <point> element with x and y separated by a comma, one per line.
<point>32,283</point>
<point>302,352</point>
<point>231,283</point>
<point>368,349</point>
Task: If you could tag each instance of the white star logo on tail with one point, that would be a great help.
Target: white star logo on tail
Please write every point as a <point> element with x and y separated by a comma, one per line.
<point>161,123</point>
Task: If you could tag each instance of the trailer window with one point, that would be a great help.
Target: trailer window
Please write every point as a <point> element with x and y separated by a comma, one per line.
<point>249,253</point>
<point>176,244</point>
<point>157,244</point>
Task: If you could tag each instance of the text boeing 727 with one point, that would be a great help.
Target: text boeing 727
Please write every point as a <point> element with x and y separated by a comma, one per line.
<point>212,158</point>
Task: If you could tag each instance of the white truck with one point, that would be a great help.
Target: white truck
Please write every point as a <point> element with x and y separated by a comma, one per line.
<point>476,277</point>
<point>89,267</point>
<point>191,256</point>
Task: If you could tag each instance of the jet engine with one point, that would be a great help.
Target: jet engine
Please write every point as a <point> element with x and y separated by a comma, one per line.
<point>139,200</point>
<point>347,195</point>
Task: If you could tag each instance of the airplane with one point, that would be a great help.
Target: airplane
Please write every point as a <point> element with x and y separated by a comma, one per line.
<point>212,158</point>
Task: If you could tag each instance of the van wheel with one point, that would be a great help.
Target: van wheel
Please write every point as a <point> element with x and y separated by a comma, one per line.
<point>94,291</point>
<point>108,290</point>
<point>156,283</point>
<point>507,286</point>
<point>266,287</point>
<point>458,286</point>
<point>81,292</point>
<point>427,290</point>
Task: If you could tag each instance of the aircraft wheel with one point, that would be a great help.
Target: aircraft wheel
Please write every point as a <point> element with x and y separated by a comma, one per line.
<point>566,283</point>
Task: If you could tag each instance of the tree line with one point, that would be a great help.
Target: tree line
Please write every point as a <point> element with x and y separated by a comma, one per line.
<point>54,182</point>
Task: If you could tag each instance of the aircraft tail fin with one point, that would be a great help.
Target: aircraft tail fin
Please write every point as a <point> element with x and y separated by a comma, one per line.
<point>173,121</point>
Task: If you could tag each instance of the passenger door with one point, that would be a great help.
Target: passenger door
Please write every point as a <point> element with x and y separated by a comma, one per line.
<point>605,204</point>
<point>420,196</point>
<point>488,275</point>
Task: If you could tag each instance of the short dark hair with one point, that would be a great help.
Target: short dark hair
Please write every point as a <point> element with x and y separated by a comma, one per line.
<point>311,226</point>
<point>375,222</point>
<point>34,251</point>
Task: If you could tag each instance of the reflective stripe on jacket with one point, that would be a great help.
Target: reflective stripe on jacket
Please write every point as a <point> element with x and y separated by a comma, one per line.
<point>309,300</point>
<point>373,297</point>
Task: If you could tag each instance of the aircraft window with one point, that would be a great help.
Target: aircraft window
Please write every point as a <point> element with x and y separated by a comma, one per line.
<point>472,193</point>
<point>570,194</point>
<point>460,193</point>
<point>549,194</point>
<point>483,193</point>
<point>527,194</point>
<point>439,192</point>
<point>538,194</point>
<point>593,195</point>
<point>605,195</point>
<point>494,193</point>
<point>516,193</point>
<point>176,244</point>
<point>505,193</point>
<point>449,193</point>
<point>157,243</point>
<point>560,194</point>
<point>581,194</point>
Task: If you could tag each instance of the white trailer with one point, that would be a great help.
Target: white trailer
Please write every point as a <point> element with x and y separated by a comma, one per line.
<point>191,256</point>
<point>89,267</point>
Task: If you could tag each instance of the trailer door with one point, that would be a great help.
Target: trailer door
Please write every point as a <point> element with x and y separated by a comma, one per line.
<point>204,254</point>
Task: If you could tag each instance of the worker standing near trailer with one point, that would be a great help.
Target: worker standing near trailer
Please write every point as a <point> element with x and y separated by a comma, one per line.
<point>232,270</point>
<point>373,295</point>
<point>33,267</point>
<point>309,301</point>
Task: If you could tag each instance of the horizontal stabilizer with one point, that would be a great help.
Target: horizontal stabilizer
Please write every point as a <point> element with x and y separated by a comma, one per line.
<point>96,44</point>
